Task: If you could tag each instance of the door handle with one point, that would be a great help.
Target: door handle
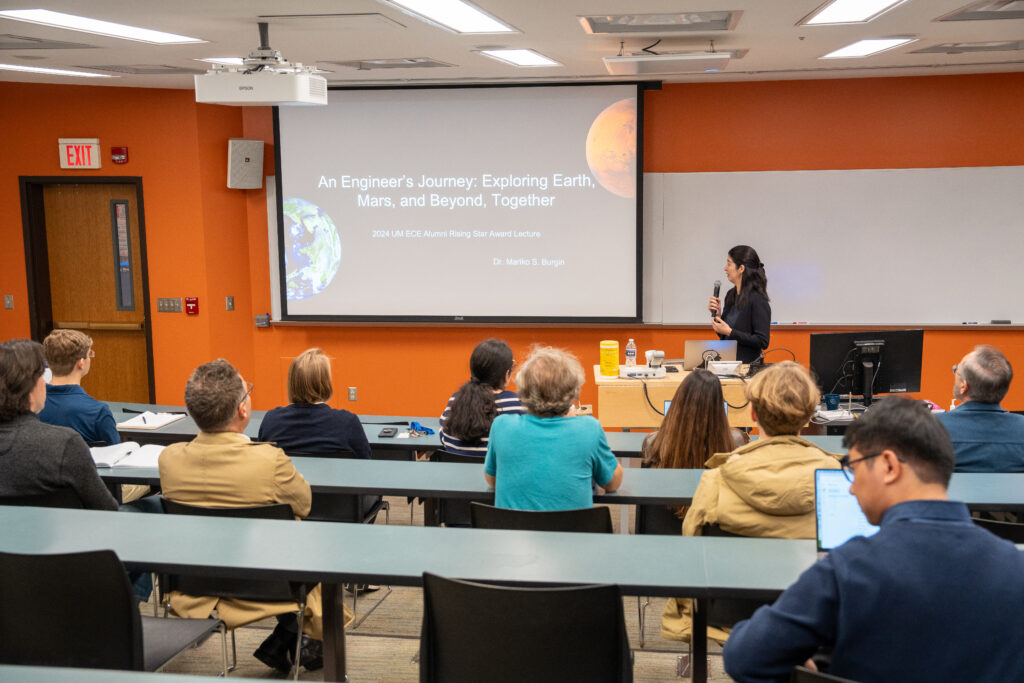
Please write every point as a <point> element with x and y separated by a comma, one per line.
<point>111,326</point>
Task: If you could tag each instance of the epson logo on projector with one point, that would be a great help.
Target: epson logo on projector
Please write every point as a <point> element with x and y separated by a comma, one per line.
<point>245,87</point>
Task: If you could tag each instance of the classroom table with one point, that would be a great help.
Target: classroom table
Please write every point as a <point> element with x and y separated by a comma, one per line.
<point>334,554</point>
<point>981,491</point>
<point>623,444</point>
<point>12,673</point>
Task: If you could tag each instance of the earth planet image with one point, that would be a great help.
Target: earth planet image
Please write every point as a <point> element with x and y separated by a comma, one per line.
<point>611,148</point>
<point>312,248</point>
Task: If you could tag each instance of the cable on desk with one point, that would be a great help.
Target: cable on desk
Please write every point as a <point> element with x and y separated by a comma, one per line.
<point>648,397</point>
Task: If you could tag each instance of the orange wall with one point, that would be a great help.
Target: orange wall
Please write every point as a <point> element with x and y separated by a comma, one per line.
<point>205,240</point>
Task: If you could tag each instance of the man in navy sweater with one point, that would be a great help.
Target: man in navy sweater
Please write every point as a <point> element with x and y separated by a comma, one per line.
<point>986,438</point>
<point>930,597</point>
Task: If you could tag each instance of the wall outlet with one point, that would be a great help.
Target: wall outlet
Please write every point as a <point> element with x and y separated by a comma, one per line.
<point>168,305</point>
<point>229,303</point>
<point>352,394</point>
<point>8,301</point>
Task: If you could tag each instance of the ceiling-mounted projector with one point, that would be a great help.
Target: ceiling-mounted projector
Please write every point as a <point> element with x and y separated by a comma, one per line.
<point>265,79</point>
<point>680,63</point>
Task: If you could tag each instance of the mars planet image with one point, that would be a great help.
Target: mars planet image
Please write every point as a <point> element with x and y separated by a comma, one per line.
<point>611,148</point>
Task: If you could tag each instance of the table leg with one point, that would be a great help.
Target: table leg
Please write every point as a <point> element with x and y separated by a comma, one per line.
<point>334,633</point>
<point>699,642</point>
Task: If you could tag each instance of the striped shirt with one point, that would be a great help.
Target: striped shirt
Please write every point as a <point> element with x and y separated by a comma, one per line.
<point>507,403</point>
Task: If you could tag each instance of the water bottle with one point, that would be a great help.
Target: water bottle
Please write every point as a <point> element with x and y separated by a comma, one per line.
<point>630,353</point>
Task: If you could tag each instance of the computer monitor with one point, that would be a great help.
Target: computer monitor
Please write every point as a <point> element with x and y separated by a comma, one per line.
<point>867,363</point>
<point>697,353</point>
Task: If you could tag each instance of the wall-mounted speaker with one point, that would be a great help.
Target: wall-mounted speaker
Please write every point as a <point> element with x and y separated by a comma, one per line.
<point>245,164</point>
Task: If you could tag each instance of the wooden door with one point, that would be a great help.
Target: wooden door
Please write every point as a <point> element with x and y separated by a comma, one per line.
<point>96,276</point>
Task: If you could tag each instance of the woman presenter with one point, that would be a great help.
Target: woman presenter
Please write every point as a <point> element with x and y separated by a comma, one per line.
<point>746,315</point>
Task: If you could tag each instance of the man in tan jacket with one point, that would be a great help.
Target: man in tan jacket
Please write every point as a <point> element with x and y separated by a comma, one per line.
<point>221,467</point>
<point>765,488</point>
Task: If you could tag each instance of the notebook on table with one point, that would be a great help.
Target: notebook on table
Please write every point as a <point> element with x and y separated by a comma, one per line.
<point>837,513</point>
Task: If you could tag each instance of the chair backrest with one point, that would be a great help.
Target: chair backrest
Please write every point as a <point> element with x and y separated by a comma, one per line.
<point>58,498</point>
<point>451,511</point>
<point>333,507</point>
<point>729,611</point>
<point>657,520</point>
<point>74,609</point>
<point>246,589</point>
<point>474,632</point>
<point>1011,531</point>
<point>595,520</point>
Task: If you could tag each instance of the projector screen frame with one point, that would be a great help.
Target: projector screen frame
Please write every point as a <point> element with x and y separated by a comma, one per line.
<point>286,317</point>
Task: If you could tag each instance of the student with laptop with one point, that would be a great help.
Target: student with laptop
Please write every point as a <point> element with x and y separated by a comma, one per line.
<point>930,597</point>
<point>765,488</point>
<point>746,315</point>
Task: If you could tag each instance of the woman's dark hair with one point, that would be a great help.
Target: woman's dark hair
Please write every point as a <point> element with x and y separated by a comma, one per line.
<point>695,428</point>
<point>754,279</point>
<point>473,408</point>
<point>21,366</point>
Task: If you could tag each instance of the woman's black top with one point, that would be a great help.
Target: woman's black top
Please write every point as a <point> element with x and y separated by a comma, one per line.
<point>751,320</point>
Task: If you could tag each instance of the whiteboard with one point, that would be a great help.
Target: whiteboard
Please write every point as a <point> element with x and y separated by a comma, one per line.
<point>872,247</point>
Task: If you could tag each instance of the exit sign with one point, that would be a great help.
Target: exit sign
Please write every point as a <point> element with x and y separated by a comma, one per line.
<point>79,152</point>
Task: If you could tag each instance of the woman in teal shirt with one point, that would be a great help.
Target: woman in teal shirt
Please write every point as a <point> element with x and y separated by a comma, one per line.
<point>549,458</point>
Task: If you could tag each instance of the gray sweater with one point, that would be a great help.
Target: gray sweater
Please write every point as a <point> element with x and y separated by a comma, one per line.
<point>38,458</point>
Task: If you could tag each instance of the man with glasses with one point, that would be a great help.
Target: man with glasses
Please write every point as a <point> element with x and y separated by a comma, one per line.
<point>69,354</point>
<point>985,437</point>
<point>222,467</point>
<point>929,597</point>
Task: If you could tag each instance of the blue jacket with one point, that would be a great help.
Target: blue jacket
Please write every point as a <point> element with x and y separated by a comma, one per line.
<point>930,597</point>
<point>985,437</point>
<point>67,405</point>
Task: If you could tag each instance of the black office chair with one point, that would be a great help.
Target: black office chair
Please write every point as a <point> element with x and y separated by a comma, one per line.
<point>595,520</point>
<point>58,498</point>
<point>804,675</point>
<point>1011,531</point>
<point>350,508</point>
<point>656,520</point>
<point>78,610</point>
<point>243,589</point>
<point>722,612</point>
<point>474,632</point>
<point>448,511</point>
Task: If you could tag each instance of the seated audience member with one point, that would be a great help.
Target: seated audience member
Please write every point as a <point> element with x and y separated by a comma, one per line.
<point>69,354</point>
<point>765,488</point>
<point>308,424</point>
<point>918,601</point>
<point>549,458</point>
<point>695,427</point>
<point>466,420</point>
<point>35,457</point>
<point>985,437</point>
<point>221,467</point>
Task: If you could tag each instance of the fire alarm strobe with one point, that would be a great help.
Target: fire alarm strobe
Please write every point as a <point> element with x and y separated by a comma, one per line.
<point>192,305</point>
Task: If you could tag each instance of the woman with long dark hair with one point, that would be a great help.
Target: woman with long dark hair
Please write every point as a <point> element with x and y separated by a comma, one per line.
<point>694,429</point>
<point>746,316</point>
<point>466,421</point>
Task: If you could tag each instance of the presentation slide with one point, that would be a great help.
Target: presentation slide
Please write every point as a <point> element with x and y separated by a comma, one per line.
<point>461,204</point>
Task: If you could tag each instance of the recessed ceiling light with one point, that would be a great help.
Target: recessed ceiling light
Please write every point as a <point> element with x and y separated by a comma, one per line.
<point>661,23</point>
<point>103,28</point>
<point>848,12</point>
<point>454,15</point>
<point>227,61</point>
<point>520,57</point>
<point>51,72</point>
<point>863,48</point>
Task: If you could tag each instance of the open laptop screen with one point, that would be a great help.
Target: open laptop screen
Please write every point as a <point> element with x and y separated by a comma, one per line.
<point>838,514</point>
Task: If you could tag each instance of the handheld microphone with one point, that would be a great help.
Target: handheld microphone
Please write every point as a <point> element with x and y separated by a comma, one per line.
<point>718,288</point>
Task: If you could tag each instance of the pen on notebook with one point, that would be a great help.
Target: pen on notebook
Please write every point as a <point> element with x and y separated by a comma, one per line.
<point>143,419</point>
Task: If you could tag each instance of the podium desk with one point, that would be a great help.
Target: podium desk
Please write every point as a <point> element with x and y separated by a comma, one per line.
<point>334,554</point>
<point>624,403</point>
